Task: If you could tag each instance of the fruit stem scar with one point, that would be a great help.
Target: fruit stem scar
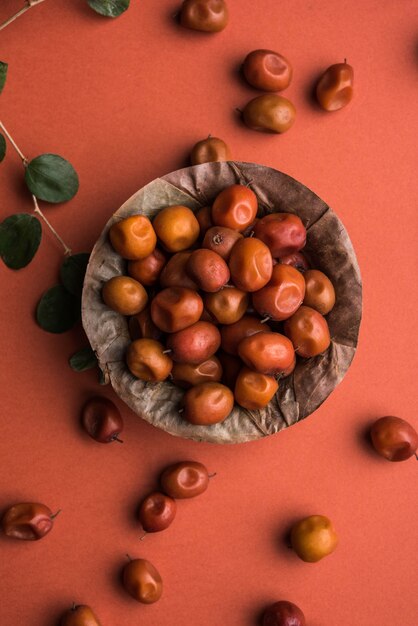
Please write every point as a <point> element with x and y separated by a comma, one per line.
<point>55,514</point>
<point>116,438</point>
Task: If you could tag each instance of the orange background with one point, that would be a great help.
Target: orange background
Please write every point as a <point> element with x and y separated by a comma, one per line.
<point>124,100</point>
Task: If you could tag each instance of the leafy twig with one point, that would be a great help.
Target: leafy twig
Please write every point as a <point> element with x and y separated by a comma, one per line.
<point>67,250</point>
<point>28,5</point>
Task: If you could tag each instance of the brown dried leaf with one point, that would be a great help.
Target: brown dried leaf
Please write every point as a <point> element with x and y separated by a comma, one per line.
<point>329,248</point>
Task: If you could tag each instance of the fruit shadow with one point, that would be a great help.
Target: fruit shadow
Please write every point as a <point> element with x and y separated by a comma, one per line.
<point>362,435</point>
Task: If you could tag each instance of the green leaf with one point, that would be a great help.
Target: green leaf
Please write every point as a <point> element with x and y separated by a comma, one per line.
<point>20,236</point>
<point>109,8</point>
<point>83,360</point>
<point>2,148</point>
<point>58,310</point>
<point>3,74</point>
<point>73,271</point>
<point>51,178</point>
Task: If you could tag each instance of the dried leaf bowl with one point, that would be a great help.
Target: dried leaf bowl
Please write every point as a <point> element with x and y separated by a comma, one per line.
<point>329,249</point>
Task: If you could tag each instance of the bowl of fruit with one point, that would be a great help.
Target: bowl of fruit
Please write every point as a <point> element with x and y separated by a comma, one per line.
<point>223,302</point>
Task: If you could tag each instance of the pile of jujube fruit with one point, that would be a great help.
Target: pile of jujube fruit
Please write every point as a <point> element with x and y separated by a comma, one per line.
<point>219,302</point>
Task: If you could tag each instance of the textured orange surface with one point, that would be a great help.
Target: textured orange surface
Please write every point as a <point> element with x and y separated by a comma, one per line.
<point>124,101</point>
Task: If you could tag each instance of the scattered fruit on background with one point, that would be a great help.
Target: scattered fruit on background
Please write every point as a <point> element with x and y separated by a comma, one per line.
<point>29,521</point>
<point>334,89</point>
<point>102,420</point>
<point>210,150</point>
<point>185,479</point>
<point>156,512</point>
<point>79,615</point>
<point>267,70</point>
<point>313,538</point>
<point>269,113</point>
<point>210,16</point>
<point>394,438</point>
<point>283,613</point>
<point>142,581</point>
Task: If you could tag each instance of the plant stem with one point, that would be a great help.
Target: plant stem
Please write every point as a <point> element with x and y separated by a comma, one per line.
<point>14,144</point>
<point>29,4</point>
<point>67,250</point>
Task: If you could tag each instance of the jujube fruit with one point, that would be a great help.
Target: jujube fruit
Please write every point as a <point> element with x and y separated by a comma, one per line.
<point>29,521</point>
<point>175,308</point>
<point>308,331</point>
<point>79,615</point>
<point>297,260</point>
<point>334,89</point>
<point>147,271</point>
<point>210,150</point>
<point>313,538</point>
<point>235,207</point>
<point>267,70</point>
<point>186,374</point>
<point>142,581</point>
<point>319,292</point>
<point>208,270</point>
<point>268,353</point>
<point>176,227</point>
<point>282,295</point>
<point>221,240</point>
<point>394,438</point>
<point>228,305</point>
<point>186,479</point>
<point>194,344</point>
<point>156,512</point>
<point>101,419</point>
<point>254,390</point>
<point>124,295</point>
<point>210,16</point>
<point>233,334</point>
<point>283,613</point>
<point>133,237</point>
<point>269,113</point>
<point>174,273</point>
<point>146,360</point>
<point>283,233</point>
<point>251,264</point>
<point>207,403</point>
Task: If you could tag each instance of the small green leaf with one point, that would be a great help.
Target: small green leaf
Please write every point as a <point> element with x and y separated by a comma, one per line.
<point>2,148</point>
<point>73,271</point>
<point>58,310</point>
<point>83,360</point>
<point>3,74</point>
<point>51,178</point>
<point>20,236</point>
<point>109,8</point>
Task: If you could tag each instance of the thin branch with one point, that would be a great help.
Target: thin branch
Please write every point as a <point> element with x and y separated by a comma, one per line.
<point>29,4</point>
<point>67,250</point>
<point>14,144</point>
